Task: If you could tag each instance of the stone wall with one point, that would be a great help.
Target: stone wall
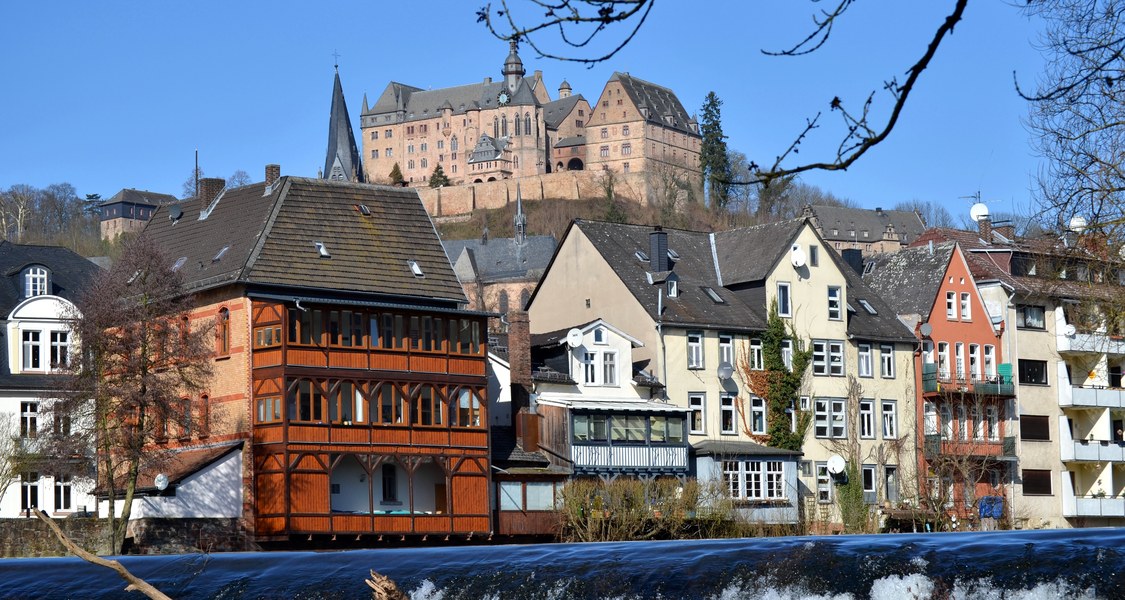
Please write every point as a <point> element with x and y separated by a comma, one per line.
<point>32,537</point>
<point>567,185</point>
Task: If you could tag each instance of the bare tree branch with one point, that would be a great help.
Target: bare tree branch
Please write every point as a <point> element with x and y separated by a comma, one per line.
<point>563,17</point>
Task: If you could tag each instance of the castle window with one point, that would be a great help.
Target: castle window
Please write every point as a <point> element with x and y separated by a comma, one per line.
<point>374,135</point>
<point>374,154</point>
<point>605,132</point>
<point>626,149</point>
<point>603,151</point>
<point>453,145</point>
<point>624,130</point>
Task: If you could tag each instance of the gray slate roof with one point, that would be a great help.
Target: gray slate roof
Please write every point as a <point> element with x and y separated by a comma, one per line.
<point>140,197</point>
<point>341,141</point>
<point>417,103</point>
<point>908,225</point>
<point>722,448</point>
<point>660,101</point>
<point>502,258</point>
<point>556,111</point>
<point>70,273</point>
<point>909,279</point>
<point>270,240</point>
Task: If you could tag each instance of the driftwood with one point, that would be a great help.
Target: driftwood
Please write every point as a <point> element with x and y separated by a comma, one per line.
<point>384,588</point>
<point>136,584</point>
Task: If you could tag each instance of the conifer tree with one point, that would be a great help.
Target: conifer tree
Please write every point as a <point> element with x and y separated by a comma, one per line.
<point>437,178</point>
<point>714,164</point>
<point>396,175</point>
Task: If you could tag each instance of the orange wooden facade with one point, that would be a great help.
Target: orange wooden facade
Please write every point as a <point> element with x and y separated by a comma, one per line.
<point>382,399</point>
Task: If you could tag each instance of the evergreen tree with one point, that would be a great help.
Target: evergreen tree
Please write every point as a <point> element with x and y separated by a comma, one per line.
<point>714,164</point>
<point>437,178</point>
<point>396,175</point>
<point>783,384</point>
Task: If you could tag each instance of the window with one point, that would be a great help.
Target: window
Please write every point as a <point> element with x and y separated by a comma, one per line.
<point>222,333</point>
<point>757,415</point>
<point>374,135</point>
<point>890,420</point>
<point>1033,371</point>
<point>836,358</point>
<point>946,422</point>
<point>829,417</point>
<point>603,151</point>
<point>604,133</point>
<point>966,310</point>
<point>673,286</point>
<point>867,474</point>
<point>31,350</point>
<point>695,350</point>
<point>390,483</point>
<point>726,348</point>
<point>787,354</point>
<point>756,362</point>
<point>624,130</point>
<point>975,417</point>
<point>754,480</point>
<point>591,428</point>
<point>887,361</point>
<point>29,419</point>
<point>63,495</point>
<point>814,255</point>
<point>609,368</point>
<point>696,407</point>
<point>726,414</point>
<point>60,349</point>
<point>35,282</point>
<point>626,149</point>
<point>929,418</point>
<point>867,419</point>
<point>823,483</point>
<point>269,410</point>
<point>1036,482</point>
<point>951,305</point>
<point>374,153</point>
<point>627,428</point>
<point>866,369</point>
<point>943,360</point>
<point>820,357</point>
<point>388,153</point>
<point>29,490</point>
<point>992,419</point>
<point>1030,317</point>
<point>963,418</point>
<point>974,362</point>
<point>589,368</point>
<point>890,482</point>
<point>990,362</point>
<point>783,300</point>
<point>1035,428</point>
<point>834,312</point>
<point>959,356</point>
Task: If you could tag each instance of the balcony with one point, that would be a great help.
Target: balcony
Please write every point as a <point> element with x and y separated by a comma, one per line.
<point>638,458</point>
<point>1091,342</point>
<point>941,383</point>
<point>1088,506</point>
<point>1093,451</point>
<point>1004,448</point>
<point>1091,397</point>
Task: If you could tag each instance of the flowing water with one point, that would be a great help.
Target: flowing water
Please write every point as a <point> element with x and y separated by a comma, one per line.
<point>1087,563</point>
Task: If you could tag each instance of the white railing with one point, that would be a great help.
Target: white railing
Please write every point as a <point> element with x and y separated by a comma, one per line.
<point>629,457</point>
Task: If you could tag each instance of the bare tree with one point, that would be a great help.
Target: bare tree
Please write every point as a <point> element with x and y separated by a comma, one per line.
<point>933,214</point>
<point>238,179</point>
<point>143,364</point>
<point>18,205</point>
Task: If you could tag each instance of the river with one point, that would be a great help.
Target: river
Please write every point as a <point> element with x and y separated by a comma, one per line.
<point>1082,563</point>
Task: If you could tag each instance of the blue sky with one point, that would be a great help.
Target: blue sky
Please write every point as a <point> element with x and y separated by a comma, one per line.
<point>107,95</point>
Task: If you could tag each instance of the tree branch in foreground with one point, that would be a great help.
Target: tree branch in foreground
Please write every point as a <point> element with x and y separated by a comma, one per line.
<point>136,584</point>
<point>384,588</point>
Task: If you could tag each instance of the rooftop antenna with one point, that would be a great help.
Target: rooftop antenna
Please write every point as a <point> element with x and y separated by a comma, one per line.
<point>196,172</point>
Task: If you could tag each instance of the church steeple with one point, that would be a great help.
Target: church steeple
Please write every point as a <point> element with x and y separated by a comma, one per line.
<point>513,68</point>
<point>519,222</point>
<point>342,162</point>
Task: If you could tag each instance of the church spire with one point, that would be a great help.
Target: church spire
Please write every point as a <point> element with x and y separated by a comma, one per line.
<point>342,162</point>
<point>519,223</point>
<point>513,68</point>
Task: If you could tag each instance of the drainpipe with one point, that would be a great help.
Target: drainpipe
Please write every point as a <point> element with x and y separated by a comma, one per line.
<point>660,335</point>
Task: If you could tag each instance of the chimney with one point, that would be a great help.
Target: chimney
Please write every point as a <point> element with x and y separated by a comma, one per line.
<point>985,226</point>
<point>879,210</point>
<point>1007,229</point>
<point>273,173</point>
<point>209,188</point>
<point>658,250</point>
<point>854,258</point>
<point>519,358</point>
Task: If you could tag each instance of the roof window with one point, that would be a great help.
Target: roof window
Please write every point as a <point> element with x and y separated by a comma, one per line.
<point>322,249</point>
<point>179,263</point>
<point>363,210</point>
<point>713,295</point>
<point>415,268</point>
<point>672,254</point>
<point>867,306</point>
<point>641,256</point>
<point>220,254</point>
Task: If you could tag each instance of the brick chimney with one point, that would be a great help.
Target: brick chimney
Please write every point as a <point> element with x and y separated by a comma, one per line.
<point>273,173</point>
<point>209,188</point>
<point>1006,229</point>
<point>519,358</point>
<point>984,224</point>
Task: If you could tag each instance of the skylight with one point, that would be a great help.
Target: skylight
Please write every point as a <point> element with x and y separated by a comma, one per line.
<point>672,254</point>
<point>415,268</point>
<point>179,263</point>
<point>867,306</point>
<point>322,249</point>
<point>714,296</point>
<point>641,256</point>
<point>362,208</point>
<point>221,253</point>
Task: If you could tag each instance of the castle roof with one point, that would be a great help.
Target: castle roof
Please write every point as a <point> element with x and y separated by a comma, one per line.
<point>845,224</point>
<point>658,104</point>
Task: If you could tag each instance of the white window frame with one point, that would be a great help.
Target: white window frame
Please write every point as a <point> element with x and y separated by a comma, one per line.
<point>830,418</point>
<point>609,368</point>
<point>835,300</point>
<point>990,362</point>
<point>695,350</point>
<point>590,368</point>
<point>823,484</point>
<point>727,413</point>
<point>992,419</point>
<point>929,418</point>
<point>959,358</point>
<point>974,362</point>
<point>890,419</point>
<point>29,419</point>
<point>784,299</point>
<point>758,423</point>
<point>867,478</point>
<point>977,417</point>
<point>787,354</point>
<point>697,406</point>
<point>757,361</point>
<point>865,366</point>
<point>943,360</point>
<point>32,350</point>
<point>951,306</point>
<point>35,282</point>
<point>836,358</point>
<point>60,349</point>
<point>887,361</point>
<point>966,307</point>
<point>726,348</point>
<point>820,357</point>
<point>963,419</point>
<point>867,418</point>
<point>946,412</point>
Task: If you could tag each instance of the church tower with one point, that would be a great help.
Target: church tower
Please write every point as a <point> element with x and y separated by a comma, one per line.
<point>342,162</point>
<point>519,223</point>
<point>513,69</point>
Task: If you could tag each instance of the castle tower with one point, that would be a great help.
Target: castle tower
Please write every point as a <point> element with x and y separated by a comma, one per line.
<point>513,69</point>
<point>342,162</point>
<point>564,90</point>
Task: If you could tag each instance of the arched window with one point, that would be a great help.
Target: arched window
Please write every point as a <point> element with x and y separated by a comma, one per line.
<point>519,130</point>
<point>495,127</point>
<point>524,297</point>
<point>516,161</point>
<point>222,333</point>
<point>527,123</point>
<point>453,144</point>
<point>35,282</point>
<point>503,302</point>
<point>504,125</point>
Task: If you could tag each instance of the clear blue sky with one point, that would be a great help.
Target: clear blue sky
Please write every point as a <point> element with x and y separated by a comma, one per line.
<point>107,95</point>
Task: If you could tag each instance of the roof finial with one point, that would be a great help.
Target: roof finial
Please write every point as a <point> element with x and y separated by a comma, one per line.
<point>336,62</point>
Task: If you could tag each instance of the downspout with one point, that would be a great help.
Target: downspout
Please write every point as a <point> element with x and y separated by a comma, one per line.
<point>660,335</point>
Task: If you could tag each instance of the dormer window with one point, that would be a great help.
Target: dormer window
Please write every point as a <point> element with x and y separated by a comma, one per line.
<point>599,335</point>
<point>35,282</point>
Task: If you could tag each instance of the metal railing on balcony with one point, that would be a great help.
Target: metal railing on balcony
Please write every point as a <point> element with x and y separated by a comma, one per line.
<point>1001,384</point>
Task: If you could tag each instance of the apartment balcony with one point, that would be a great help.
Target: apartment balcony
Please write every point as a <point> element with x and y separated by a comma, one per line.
<point>1091,397</point>
<point>934,382</point>
<point>1001,449</point>
<point>602,458</point>
<point>1079,505</point>
<point>1093,451</point>
<point>1084,342</point>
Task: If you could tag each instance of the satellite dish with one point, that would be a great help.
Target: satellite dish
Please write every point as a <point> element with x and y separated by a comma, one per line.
<point>574,338</point>
<point>161,482</point>
<point>978,211</point>
<point>1077,224</point>
<point>1069,330</point>
<point>836,464</point>
<point>725,371</point>
<point>926,329</point>
<point>797,255</point>
<point>175,213</point>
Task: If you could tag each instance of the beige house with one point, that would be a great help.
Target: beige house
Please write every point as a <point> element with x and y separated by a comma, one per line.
<point>699,302</point>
